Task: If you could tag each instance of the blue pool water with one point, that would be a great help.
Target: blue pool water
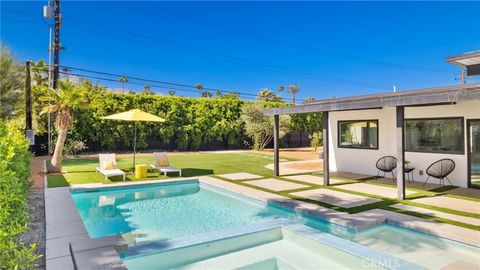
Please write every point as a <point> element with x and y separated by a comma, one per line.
<point>170,211</point>
<point>167,211</point>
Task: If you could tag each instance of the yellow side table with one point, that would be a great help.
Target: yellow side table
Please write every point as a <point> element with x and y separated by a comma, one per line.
<point>140,171</point>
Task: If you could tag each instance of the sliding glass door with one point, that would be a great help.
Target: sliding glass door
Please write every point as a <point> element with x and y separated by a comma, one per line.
<point>473,143</point>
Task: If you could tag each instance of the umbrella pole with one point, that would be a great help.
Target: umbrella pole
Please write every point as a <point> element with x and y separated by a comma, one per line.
<point>134,143</point>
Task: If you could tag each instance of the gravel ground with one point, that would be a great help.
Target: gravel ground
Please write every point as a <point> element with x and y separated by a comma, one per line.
<point>36,224</point>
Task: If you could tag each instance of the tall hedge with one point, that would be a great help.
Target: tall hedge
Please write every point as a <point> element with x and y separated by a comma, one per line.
<point>15,161</point>
<point>192,123</point>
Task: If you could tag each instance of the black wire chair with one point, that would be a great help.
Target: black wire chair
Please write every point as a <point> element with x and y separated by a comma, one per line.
<point>440,169</point>
<point>386,164</point>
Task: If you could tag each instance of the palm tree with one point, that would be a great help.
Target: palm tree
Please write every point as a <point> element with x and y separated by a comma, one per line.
<point>309,99</point>
<point>199,87</point>
<point>147,90</point>
<point>293,89</point>
<point>281,88</point>
<point>206,94</point>
<point>268,95</point>
<point>68,97</point>
<point>171,92</point>
<point>123,80</point>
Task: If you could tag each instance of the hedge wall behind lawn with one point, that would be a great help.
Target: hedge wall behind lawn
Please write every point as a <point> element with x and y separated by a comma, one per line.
<point>192,123</point>
<point>15,162</point>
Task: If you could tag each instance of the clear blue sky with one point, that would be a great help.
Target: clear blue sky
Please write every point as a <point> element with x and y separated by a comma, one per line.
<point>329,48</point>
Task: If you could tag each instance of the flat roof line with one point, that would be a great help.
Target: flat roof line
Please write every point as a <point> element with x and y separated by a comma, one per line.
<point>426,96</point>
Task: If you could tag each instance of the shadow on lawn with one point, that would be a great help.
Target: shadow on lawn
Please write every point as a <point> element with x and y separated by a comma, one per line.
<point>57,180</point>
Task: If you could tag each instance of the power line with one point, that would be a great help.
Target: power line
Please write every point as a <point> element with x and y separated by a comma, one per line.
<point>63,72</point>
<point>232,58</point>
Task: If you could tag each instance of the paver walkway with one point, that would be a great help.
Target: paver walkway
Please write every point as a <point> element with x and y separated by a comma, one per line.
<point>274,184</point>
<point>286,169</point>
<point>451,203</point>
<point>337,198</point>
<point>240,176</point>
<point>468,220</point>
<point>467,192</point>
<point>318,180</point>
<point>388,192</point>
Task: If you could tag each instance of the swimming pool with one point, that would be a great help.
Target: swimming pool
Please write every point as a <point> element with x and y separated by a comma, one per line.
<point>160,212</point>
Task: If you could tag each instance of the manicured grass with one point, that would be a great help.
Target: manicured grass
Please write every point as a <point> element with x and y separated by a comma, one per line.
<point>81,171</point>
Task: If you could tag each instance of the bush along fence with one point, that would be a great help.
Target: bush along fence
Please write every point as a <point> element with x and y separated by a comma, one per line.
<point>15,161</point>
<point>192,123</point>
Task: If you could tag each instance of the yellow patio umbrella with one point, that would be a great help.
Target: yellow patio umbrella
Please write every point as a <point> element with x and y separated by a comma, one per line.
<point>134,116</point>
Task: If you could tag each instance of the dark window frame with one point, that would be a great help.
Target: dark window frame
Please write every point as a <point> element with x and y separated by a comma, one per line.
<point>339,135</point>
<point>462,152</point>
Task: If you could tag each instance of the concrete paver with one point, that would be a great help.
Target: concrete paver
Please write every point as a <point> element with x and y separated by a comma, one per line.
<point>337,198</point>
<point>377,190</point>
<point>318,180</point>
<point>240,176</point>
<point>468,220</point>
<point>451,203</point>
<point>274,184</point>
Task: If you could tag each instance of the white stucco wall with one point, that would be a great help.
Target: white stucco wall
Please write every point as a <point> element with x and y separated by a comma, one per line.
<point>363,160</point>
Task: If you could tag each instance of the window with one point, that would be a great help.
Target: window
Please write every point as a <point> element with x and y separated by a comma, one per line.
<point>435,135</point>
<point>362,134</point>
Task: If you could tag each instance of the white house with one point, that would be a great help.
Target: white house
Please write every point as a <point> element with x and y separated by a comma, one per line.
<point>419,126</point>
<point>357,139</point>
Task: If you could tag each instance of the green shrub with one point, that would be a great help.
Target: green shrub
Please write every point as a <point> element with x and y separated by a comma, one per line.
<point>191,122</point>
<point>316,140</point>
<point>15,161</point>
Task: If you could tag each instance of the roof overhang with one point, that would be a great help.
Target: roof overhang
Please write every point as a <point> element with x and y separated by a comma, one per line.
<point>421,97</point>
<point>470,61</point>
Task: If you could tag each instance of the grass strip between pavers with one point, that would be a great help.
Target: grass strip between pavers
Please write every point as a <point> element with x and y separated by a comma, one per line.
<point>384,204</point>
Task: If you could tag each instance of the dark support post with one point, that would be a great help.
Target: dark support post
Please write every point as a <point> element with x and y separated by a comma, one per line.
<point>276,158</point>
<point>326,165</point>
<point>28,97</point>
<point>56,43</point>
<point>400,153</point>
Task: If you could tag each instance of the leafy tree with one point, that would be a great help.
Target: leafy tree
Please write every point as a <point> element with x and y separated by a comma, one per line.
<point>68,97</point>
<point>219,94</point>
<point>40,73</point>
<point>259,127</point>
<point>268,95</point>
<point>11,83</point>
<point>171,92</point>
<point>199,87</point>
<point>123,80</point>
<point>293,89</point>
<point>232,95</point>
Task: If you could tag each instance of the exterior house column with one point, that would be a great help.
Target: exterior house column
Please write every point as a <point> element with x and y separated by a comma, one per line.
<point>326,160</point>
<point>400,142</point>
<point>276,158</point>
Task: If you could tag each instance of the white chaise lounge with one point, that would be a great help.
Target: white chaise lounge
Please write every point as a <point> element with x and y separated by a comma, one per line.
<point>163,165</point>
<point>108,166</point>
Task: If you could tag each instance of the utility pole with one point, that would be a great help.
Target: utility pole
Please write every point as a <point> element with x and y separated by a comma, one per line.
<point>56,45</point>
<point>462,76</point>
<point>28,97</point>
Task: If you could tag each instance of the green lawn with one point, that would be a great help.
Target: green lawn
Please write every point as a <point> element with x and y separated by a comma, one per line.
<point>81,171</point>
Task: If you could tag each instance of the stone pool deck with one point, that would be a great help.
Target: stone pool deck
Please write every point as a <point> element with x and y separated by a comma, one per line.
<point>68,241</point>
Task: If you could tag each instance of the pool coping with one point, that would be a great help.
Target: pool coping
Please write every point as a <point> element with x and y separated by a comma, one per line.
<point>68,245</point>
<point>367,255</point>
